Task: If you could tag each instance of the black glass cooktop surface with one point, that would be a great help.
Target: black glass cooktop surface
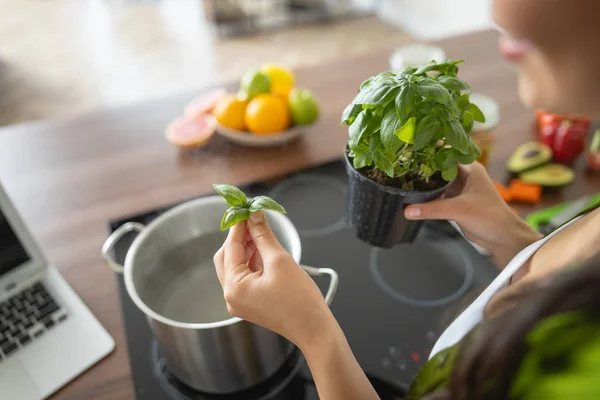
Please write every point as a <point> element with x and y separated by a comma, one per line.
<point>392,304</point>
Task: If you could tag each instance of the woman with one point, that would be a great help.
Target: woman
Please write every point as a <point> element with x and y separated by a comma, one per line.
<point>498,346</point>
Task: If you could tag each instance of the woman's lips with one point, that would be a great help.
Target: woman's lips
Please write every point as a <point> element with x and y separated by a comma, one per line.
<point>514,49</point>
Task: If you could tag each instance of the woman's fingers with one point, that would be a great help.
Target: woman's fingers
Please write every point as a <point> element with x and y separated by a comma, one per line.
<point>219,260</point>
<point>445,209</point>
<point>235,260</point>
<point>262,235</point>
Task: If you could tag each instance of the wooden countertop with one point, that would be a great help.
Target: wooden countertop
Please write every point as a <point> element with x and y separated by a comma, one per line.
<point>69,177</point>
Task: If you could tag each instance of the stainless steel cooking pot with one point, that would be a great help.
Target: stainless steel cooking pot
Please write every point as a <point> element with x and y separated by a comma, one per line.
<point>170,276</point>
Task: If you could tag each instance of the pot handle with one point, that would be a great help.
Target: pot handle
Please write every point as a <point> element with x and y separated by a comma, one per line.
<point>113,239</point>
<point>333,285</point>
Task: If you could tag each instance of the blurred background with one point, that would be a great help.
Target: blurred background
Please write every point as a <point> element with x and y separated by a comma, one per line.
<point>64,57</point>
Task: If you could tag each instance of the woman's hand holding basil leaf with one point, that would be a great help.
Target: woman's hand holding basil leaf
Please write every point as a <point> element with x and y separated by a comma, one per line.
<point>475,205</point>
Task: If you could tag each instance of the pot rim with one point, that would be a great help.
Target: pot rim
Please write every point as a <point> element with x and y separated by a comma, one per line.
<point>391,189</point>
<point>296,252</point>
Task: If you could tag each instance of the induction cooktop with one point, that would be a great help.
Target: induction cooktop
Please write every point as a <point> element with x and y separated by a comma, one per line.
<point>392,304</point>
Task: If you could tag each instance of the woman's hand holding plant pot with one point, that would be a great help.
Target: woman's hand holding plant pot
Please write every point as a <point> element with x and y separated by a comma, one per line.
<point>475,205</point>
<point>263,284</point>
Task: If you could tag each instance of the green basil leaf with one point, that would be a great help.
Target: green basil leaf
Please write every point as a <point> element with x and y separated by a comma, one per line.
<point>407,132</point>
<point>234,215</point>
<point>453,83</point>
<point>426,131</point>
<point>232,195</point>
<point>474,148</point>
<point>477,114</point>
<point>389,125</point>
<point>364,126</point>
<point>456,136</point>
<point>444,159</point>
<point>405,101</point>
<point>360,161</point>
<point>377,94</point>
<point>467,121</point>
<point>462,103</point>
<point>450,173</point>
<point>350,113</point>
<point>265,203</point>
<point>464,159</point>
<point>383,164</point>
<point>433,90</point>
<point>366,83</point>
<point>444,68</point>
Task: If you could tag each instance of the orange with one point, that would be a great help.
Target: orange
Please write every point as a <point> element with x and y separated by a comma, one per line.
<point>229,111</point>
<point>267,114</point>
<point>191,132</point>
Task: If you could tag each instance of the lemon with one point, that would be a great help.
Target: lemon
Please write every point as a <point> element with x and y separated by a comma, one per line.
<point>254,83</point>
<point>280,78</point>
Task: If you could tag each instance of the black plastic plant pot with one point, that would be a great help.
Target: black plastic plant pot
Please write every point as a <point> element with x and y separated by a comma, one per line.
<point>376,212</point>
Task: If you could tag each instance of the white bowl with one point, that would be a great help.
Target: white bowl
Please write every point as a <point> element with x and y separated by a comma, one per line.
<point>249,139</point>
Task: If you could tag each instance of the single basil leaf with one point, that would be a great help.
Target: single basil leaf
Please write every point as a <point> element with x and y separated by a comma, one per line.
<point>366,124</point>
<point>444,159</point>
<point>450,173</point>
<point>377,94</point>
<point>445,68</point>
<point>265,203</point>
<point>462,103</point>
<point>232,195</point>
<point>360,161</point>
<point>433,90</point>
<point>407,132</point>
<point>389,125</point>
<point>350,113</point>
<point>426,131</point>
<point>467,121</point>
<point>366,83</point>
<point>463,159</point>
<point>453,83</point>
<point>474,148</point>
<point>477,114</point>
<point>383,164</point>
<point>384,76</point>
<point>234,215</point>
<point>456,136</point>
<point>405,101</point>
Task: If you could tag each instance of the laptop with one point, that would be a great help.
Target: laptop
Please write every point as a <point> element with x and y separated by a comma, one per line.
<point>47,334</point>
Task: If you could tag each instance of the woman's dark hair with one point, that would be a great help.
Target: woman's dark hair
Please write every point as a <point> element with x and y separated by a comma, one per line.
<point>496,351</point>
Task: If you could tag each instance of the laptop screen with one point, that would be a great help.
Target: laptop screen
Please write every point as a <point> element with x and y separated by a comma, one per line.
<point>12,252</point>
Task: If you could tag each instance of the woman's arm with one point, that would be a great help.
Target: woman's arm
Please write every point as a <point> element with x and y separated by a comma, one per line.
<point>264,285</point>
<point>336,372</point>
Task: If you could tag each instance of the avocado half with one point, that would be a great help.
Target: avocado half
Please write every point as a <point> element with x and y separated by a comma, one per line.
<point>528,156</point>
<point>551,175</point>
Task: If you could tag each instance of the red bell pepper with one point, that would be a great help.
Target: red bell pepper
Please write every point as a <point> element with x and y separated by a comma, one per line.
<point>569,142</point>
<point>594,156</point>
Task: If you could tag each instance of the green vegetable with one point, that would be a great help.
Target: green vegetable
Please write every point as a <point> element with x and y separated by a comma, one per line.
<point>240,207</point>
<point>595,146</point>
<point>414,124</point>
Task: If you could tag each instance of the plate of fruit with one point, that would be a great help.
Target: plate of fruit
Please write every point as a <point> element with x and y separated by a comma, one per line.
<point>268,110</point>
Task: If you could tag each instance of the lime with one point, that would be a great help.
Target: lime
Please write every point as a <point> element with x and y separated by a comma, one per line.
<point>254,83</point>
<point>303,106</point>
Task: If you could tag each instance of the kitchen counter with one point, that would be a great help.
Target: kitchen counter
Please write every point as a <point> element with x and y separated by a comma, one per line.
<point>69,177</point>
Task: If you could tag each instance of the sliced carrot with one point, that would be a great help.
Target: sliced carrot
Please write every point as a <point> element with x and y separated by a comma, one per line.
<point>522,192</point>
<point>504,192</point>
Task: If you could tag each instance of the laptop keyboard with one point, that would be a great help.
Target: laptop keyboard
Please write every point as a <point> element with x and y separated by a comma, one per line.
<point>26,316</point>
